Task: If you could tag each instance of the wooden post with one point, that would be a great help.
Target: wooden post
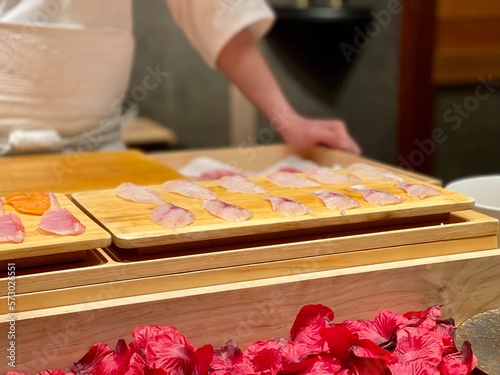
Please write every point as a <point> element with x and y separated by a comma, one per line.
<point>415,148</point>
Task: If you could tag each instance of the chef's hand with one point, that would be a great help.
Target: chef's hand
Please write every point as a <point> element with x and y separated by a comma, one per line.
<point>299,131</point>
<point>241,61</point>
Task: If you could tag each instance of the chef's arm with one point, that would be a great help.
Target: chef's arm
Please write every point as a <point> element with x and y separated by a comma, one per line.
<point>242,62</point>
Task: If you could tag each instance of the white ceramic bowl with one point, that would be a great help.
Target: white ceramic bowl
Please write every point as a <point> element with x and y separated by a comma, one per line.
<point>484,189</point>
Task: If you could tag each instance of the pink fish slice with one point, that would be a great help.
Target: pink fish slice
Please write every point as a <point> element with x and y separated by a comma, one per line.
<point>188,189</point>
<point>139,194</point>
<point>287,206</point>
<point>226,210</point>
<point>171,216</point>
<point>377,197</point>
<point>370,172</point>
<point>58,220</point>
<point>241,184</point>
<point>328,176</point>
<point>336,201</point>
<point>11,227</point>
<point>291,180</point>
<point>418,190</point>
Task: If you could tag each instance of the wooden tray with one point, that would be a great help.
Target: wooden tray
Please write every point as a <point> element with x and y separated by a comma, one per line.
<point>131,227</point>
<point>66,173</point>
<point>38,248</point>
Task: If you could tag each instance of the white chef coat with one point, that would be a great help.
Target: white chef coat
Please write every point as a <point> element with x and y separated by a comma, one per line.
<point>65,64</point>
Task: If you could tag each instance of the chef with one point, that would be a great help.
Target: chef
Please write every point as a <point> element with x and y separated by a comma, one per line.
<point>65,67</point>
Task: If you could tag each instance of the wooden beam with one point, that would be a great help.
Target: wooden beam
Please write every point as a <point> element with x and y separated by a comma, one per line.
<point>416,96</point>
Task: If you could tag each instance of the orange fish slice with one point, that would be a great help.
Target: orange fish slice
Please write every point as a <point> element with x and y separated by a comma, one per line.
<point>29,203</point>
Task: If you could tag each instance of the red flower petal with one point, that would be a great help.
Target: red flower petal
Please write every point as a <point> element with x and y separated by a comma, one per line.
<point>381,330</point>
<point>426,319</point>
<point>167,356</point>
<point>308,323</point>
<point>339,340</point>
<point>364,366</point>
<point>227,356</point>
<point>413,368</point>
<point>167,334</point>
<point>54,372</point>
<point>88,364</point>
<point>200,361</point>
<point>265,356</point>
<point>368,349</point>
<point>102,360</point>
<point>459,363</point>
<point>418,344</point>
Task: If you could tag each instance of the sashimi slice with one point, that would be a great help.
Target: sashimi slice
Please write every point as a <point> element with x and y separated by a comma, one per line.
<point>11,227</point>
<point>217,174</point>
<point>35,203</point>
<point>336,201</point>
<point>241,184</point>
<point>226,210</point>
<point>419,190</point>
<point>188,189</point>
<point>138,194</point>
<point>287,206</point>
<point>291,180</point>
<point>377,197</point>
<point>369,172</point>
<point>59,220</point>
<point>171,216</point>
<point>328,176</point>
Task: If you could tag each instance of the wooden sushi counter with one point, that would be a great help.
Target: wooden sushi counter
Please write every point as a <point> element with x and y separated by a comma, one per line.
<point>246,288</point>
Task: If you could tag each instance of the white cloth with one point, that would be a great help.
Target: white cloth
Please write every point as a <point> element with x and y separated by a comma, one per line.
<point>65,64</point>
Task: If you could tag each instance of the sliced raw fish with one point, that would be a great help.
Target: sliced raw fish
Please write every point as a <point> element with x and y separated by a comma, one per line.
<point>291,180</point>
<point>419,190</point>
<point>171,216</point>
<point>336,201</point>
<point>226,210</point>
<point>139,194</point>
<point>241,184</point>
<point>370,172</point>
<point>287,206</point>
<point>11,227</point>
<point>216,174</point>
<point>328,176</point>
<point>59,220</point>
<point>378,197</point>
<point>188,189</point>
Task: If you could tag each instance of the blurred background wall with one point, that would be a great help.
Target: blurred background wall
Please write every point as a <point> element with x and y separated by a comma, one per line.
<point>192,98</point>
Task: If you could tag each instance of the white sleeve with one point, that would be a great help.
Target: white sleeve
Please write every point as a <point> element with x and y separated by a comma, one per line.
<point>210,24</point>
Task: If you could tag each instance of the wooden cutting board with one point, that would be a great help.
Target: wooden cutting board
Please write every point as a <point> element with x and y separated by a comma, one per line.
<point>36,244</point>
<point>131,227</point>
<point>67,173</point>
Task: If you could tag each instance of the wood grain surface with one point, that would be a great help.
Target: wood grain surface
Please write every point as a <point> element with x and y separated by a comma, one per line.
<point>255,310</point>
<point>37,244</point>
<point>67,173</point>
<point>131,226</point>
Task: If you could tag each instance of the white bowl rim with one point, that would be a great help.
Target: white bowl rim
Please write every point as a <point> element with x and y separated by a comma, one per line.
<point>476,178</point>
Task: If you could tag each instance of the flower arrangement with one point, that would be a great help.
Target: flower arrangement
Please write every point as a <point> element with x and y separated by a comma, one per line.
<point>414,343</point>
